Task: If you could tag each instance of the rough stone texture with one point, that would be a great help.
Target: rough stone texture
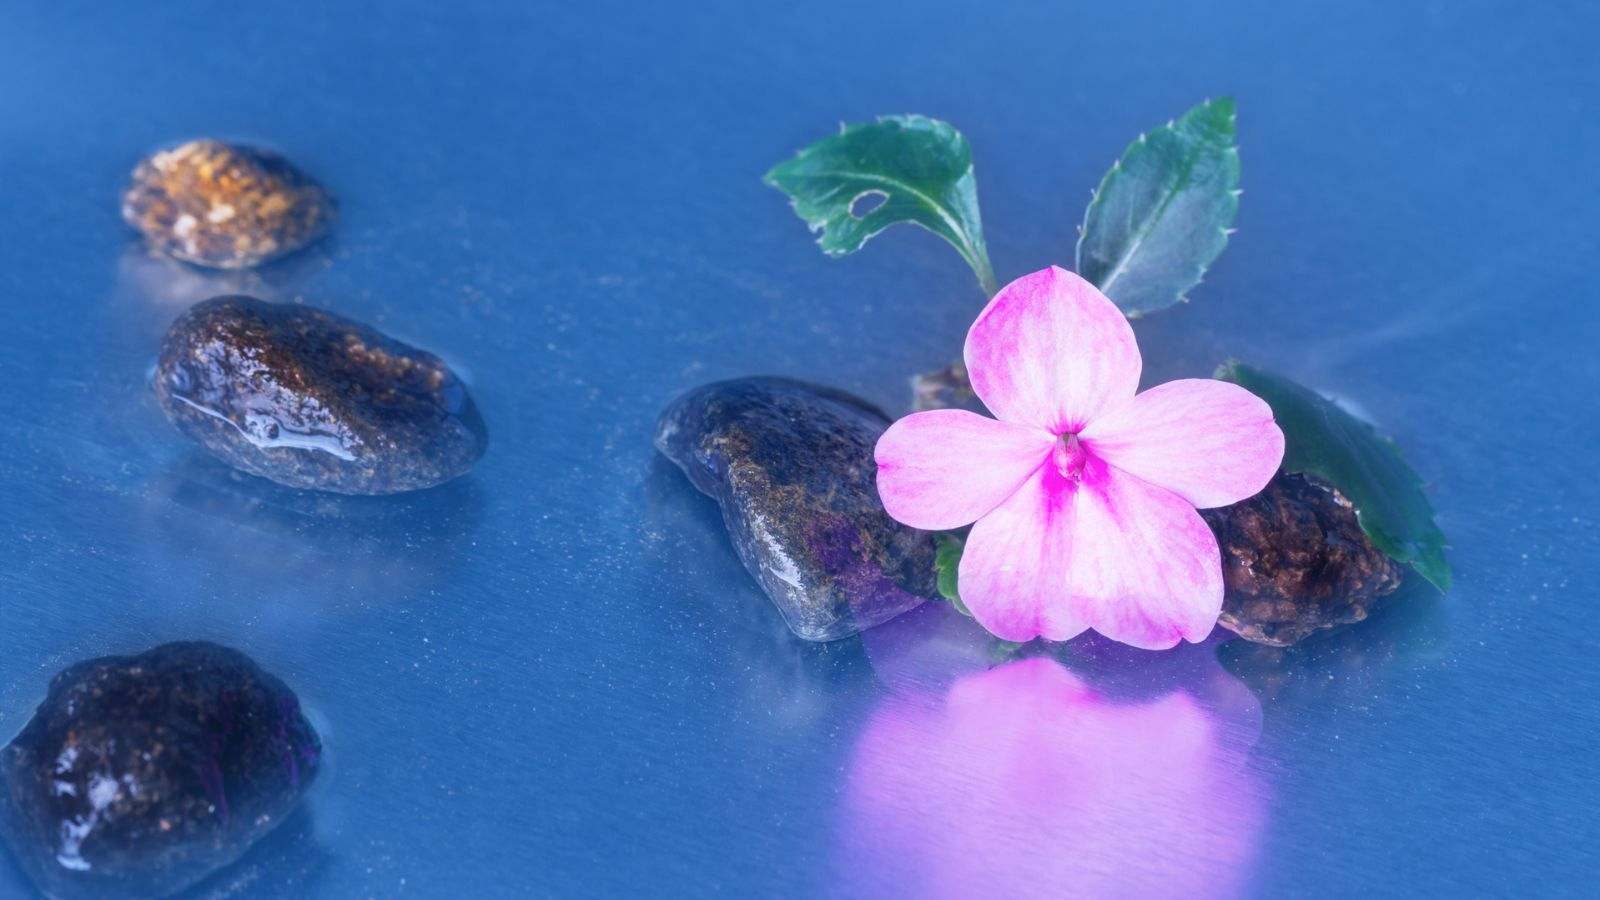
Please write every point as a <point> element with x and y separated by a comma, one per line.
<point>313,400</point>
<point>225,206</point>
<point>140,775</point>
<point>791,466</point>
<point>1295,561</point>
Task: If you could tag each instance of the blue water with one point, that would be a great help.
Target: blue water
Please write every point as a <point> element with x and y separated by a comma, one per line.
<point>554,677</point>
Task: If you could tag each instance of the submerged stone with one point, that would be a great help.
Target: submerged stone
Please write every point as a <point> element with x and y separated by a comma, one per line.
<point>946,388</point>
<point>1295,561</point>
<point>225,206</point>
<point>141,775</point>
<point>791,466</point>
<point>314,400</point>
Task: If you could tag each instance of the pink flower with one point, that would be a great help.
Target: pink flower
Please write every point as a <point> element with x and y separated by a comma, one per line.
<point>1083,494</point>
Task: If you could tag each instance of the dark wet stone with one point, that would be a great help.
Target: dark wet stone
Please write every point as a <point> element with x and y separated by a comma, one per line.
<point>225,206</point>
<point>140,775</point>
<point>1295,561</point>
<point>791,466</point>
<point>313,400</point>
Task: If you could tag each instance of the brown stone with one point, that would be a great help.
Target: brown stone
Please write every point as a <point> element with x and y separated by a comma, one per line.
<point>946,388</point>
<point>140,775</point>
<point>791,465</point>
<point>1295,561</point>
<point>225,206</point>
<point>314,400</point>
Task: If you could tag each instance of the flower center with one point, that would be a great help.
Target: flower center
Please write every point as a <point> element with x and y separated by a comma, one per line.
<point>1070,457</point>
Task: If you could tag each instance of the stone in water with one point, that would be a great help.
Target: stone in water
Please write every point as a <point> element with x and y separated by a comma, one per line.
<point>946,388</point>
<point>791,466</point>
<point>225,206</point>
<point>1295,561</point>
<point>314,400</point>
<point>141,775</point>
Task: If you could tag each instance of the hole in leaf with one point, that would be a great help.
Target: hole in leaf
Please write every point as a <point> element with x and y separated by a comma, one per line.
<point>865,202</point>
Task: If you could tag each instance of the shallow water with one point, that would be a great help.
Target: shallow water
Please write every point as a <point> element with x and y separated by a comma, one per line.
<point>553,677</point>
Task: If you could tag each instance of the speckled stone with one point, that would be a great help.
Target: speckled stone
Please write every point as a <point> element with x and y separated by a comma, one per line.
<point>140,775</point>
<point>791,466</point>
<point>1295,561</point>
<point>314,400</point>
<point>226,206</point>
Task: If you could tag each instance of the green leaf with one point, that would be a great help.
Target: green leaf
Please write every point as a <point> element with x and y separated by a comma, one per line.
<point>1164,211</point>
<point>946,561</point>
<point>1325,441</point>
<point>1003,651</point>
<point>921,170</point>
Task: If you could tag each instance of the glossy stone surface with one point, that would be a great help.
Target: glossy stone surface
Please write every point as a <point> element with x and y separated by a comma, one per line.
<point>1295,562</point>
<point>791,466</point>
<point>314,400</point>
<point>140,775</point>
<point>226,206</point>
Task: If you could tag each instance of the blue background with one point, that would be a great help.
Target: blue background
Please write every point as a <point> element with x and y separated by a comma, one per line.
<point>554,676</point>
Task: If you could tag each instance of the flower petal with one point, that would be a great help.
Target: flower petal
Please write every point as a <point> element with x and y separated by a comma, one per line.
<point>1145,569</point>
<point>1211,442</point>
<point>1014,573</point>
<point>1050,350</point>
<point>945,468</point>
<point>1131,560</point>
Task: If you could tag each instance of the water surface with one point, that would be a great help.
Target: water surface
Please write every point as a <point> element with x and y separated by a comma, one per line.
<point>553,677</point>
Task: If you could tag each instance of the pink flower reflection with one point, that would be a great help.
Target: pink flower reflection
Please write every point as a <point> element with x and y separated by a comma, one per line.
<point>1025,781</point>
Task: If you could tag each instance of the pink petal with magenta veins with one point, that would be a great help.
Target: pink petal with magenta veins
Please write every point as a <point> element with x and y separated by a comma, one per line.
<point>946,468</point>
<point>1145,568</point>
<point>1093,547</point>
<point>1015,570</point>
<point>1050,350</point>
<point>1211,442</point>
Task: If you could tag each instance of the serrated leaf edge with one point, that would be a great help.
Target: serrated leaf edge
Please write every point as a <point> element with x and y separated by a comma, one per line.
<point>1094,198</point>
